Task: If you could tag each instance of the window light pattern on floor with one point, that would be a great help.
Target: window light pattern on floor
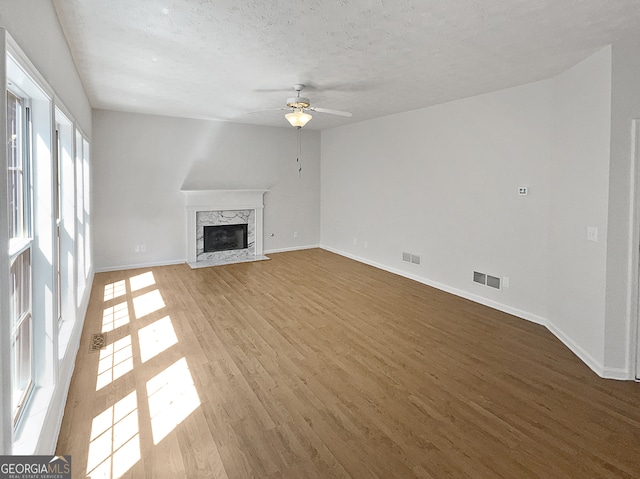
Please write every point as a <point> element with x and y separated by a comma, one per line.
<point>115,442</point>
<point>148,303</point>
<point>114,290</point>
<point>156,338</point>
<point>142,281</point>
<point>172,397</point>
<point>115,317</point>
<point>116,360</point>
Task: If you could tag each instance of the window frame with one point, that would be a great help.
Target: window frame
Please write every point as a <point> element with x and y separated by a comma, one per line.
<point>25,235</point>
<point>57,247</point>
<point>17,324</point>
<point>21,247</point>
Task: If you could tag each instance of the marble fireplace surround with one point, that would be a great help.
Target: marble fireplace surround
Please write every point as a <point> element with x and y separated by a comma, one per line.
<point>212,207</point>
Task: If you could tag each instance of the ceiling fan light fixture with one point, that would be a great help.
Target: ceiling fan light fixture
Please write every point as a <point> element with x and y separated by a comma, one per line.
<point>298,118</point>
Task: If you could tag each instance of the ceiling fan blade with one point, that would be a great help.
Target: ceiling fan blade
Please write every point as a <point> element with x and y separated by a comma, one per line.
<point>326,110</point>
<point>270,109</point>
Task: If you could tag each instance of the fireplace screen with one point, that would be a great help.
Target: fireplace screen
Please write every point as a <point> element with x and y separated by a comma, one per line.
<point>225,237</point>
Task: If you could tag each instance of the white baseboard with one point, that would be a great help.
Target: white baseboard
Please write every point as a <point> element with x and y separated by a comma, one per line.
<point>124,267</point>
<point>139,265</point>
<point>618,373</point>
<point>578,350</point>
<point>534,318</point>
<point>291,248</point>
<point>584,356</point>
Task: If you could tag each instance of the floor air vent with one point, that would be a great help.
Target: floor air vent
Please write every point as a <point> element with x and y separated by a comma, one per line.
<point>98,342</point>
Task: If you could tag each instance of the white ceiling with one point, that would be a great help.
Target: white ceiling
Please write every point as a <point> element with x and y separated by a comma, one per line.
<point>219,59</point>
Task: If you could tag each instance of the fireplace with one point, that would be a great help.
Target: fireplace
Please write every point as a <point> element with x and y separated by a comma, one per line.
<point>225,237</point>
<point>224,226</point>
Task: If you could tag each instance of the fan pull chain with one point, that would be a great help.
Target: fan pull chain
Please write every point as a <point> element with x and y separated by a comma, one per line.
<point>299,152</point>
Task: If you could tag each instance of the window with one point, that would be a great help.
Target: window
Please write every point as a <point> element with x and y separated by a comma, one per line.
<point>58,216</point>
<point>86,183</point>
<point>19,204</point>
<point>21,330</point>
<point>65,229</point>
<point>17,227</point>
<point>83,196</point>
<point>80,230</point>
<point>48,259</point>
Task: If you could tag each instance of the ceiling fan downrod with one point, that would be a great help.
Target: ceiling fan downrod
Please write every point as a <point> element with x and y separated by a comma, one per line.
<point>299,132</point>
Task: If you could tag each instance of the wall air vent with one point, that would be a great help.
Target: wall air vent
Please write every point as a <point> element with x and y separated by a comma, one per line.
<point>411,258</point>
<point>487,279</point>
<point>480,278</point>
<point>493,282</point>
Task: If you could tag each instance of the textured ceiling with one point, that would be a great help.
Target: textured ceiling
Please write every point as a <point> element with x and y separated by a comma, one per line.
<point>219,59</point>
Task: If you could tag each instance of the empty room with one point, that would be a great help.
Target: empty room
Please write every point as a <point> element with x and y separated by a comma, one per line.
<point>326,239</point>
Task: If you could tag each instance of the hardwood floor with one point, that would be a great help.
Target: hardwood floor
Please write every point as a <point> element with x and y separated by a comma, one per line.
<point>315,366</point>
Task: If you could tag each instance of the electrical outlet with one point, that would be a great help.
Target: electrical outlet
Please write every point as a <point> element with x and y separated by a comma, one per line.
<point>136,248</point>
<point>295,234</point>
<point>592,233</point>
<point>505,281</point>
<point>523,191</point>
<point>143,248</point>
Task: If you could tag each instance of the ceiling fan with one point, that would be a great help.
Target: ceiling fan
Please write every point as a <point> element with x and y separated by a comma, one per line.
<point>299,107</point>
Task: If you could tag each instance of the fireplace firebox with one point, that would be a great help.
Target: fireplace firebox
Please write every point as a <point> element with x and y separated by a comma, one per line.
<point>225,237</point>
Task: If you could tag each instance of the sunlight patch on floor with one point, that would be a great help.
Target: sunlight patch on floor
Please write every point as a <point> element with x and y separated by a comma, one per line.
<point>114,290</point>
<point>115,442</point>
<point>141,281</point>
<point>148,303</point>
<point>156,338</point>
<point>116,360</point>
<point>172,397</point>
<point>114,317</point>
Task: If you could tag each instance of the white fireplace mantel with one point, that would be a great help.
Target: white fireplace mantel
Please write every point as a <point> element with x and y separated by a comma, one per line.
<point>222,200</point>
<point>229,199</point>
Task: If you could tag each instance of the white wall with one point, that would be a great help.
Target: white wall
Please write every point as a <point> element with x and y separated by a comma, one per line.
<point>625,106</point>
<point>141,162</point>
<point>442,182</point>
<point>579,189</point>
